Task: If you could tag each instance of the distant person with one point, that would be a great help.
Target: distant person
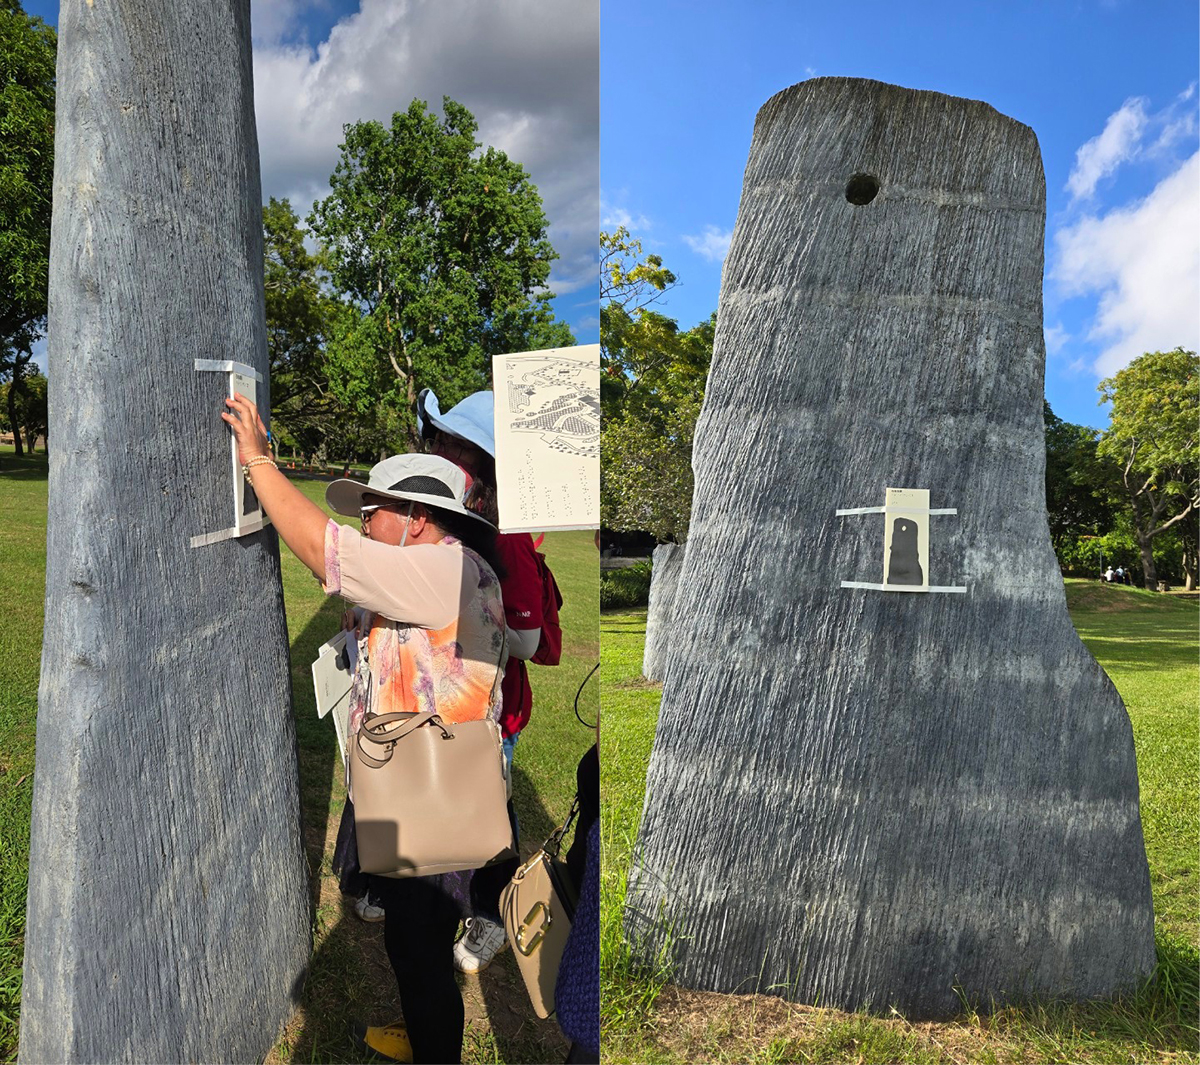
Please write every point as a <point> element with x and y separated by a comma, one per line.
<point>1120,575</point>
<point>465,435</point>
<point>1108,575</point>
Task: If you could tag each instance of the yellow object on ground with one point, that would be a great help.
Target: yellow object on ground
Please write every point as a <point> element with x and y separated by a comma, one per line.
<point>389,1041</point>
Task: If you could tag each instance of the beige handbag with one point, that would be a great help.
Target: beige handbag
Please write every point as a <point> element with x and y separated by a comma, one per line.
<point>537,907</point>
<point>428,797</point>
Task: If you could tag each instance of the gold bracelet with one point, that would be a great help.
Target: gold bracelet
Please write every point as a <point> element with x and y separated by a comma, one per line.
<point>257,460</point>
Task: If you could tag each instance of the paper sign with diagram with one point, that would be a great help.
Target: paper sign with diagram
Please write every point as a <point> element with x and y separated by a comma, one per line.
<point>547,411</point>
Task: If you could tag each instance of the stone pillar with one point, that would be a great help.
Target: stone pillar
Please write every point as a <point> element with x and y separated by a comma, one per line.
<point>664,578</point>
<point>870,798</point>
<point>168,915</point>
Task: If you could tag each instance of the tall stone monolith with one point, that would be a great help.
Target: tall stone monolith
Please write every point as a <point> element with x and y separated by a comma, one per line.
<point>660,610</point>
<point>168,914</point>
<point>859,797</point>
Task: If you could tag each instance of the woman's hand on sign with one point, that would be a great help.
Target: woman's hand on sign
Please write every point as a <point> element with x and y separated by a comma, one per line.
<point>242,417</point>
<point>350,621</point>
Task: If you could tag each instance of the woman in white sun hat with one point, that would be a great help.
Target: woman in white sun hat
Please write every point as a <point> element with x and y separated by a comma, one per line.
<point>422,572</point>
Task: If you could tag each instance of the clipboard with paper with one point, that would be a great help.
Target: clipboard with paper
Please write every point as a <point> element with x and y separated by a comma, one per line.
<point>333,675</point>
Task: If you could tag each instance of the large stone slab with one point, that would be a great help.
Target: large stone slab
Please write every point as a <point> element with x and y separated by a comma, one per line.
<point>168,914</point>
<point>660,611</point>
<point>865,798</point>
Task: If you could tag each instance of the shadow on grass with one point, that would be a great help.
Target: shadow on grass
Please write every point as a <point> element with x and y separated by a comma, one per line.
<point>25,468</point>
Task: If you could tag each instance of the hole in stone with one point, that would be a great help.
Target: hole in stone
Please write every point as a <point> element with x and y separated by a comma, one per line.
<point>861,189</point>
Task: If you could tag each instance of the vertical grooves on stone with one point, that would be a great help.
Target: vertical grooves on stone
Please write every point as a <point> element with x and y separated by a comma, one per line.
<point>869,799</point>
<point>168,915</point>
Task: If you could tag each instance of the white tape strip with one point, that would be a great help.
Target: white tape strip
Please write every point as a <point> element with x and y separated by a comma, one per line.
<point>903,588</point>
<point>204,539</point>
<point>893,510</point>
<point>228,366</point>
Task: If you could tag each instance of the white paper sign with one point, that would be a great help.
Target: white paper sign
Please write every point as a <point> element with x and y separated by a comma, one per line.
<point>247,511</point>
<point>547,423</point>
<point>333,673</point>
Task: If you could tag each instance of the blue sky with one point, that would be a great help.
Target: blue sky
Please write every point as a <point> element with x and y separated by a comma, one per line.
<point>527,69</point>
<point>1108,87</point>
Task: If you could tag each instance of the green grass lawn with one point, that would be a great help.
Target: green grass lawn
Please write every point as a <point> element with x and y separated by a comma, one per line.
<point>348,976</point>
<point>1148,645</point>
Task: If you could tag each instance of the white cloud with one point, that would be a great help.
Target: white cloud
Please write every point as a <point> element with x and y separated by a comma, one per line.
<point>713,243</point>
<point>618,216</point>
<point>527,69</point>
<point>1142,261</point>
<point>1130,134</point>
<point>1117,144</point>
<point>1056,337</point>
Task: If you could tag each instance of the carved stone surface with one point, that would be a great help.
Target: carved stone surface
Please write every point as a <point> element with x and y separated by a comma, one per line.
<point>664,578</point>
<point>865,798</point>
<point>168,914</point>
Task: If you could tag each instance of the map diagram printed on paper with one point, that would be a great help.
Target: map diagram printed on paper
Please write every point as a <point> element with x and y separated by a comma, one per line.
<point>547,411</point>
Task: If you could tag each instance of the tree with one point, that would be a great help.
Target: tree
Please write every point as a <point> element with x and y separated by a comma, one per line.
<point>1153,439</point>
<point>27,56</point>
<point>1079,487</point>
<point>630,279</point>
<point>300,319</point>
<point>655,378</point>
<point>442,250</point>
<point>651,387</point>
<point>25,412</point>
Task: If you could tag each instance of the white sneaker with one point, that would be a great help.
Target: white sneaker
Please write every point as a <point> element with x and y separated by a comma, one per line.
<point>482,941</point>
<point>367,910</point>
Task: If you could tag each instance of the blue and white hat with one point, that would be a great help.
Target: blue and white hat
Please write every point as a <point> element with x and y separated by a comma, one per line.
<point>472,420</point>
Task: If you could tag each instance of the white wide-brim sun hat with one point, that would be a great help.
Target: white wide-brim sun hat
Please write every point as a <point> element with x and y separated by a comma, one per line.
<point>428,479</point>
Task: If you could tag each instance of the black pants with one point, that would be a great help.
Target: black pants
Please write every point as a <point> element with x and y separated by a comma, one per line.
<point>418,935</point>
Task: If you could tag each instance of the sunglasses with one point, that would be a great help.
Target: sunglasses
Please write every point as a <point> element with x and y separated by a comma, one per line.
<point>364,513</point>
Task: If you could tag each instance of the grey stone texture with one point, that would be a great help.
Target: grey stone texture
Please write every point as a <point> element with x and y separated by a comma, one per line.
<point>863,798</point>
<point>664,579</point>
<point>168,915</point>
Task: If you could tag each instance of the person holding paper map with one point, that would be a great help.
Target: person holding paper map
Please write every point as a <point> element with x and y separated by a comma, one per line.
<point>423,570</point>
<point>465,436</point>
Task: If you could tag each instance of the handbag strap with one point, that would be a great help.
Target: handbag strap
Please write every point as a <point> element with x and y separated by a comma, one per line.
<point>372,730</point>
<point>554,844</point>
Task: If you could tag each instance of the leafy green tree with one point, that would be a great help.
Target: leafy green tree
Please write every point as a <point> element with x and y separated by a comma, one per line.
<point>1079,489</point>
<point>301,316</point>
<point>651,388</point>
<point>1152,437</point>
<point>442,251</point>
<point>27,53</point>
<point>629,278</point>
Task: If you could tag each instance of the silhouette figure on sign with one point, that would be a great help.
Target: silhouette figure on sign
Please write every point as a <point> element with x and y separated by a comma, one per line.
<point>904,567</point>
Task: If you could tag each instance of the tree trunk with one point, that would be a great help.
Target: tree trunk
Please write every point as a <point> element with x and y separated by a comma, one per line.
<point>168,914</point>
<point>1146,549</point>
<point>12,409</point>
<point>858,797</point>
